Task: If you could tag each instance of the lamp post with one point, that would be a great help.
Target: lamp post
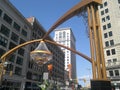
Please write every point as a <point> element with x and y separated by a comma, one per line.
<point>3,67</point>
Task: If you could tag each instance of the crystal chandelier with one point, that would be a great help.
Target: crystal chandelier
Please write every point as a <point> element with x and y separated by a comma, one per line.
<point>41,54</point>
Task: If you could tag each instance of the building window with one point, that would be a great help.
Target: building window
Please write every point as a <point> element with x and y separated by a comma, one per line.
<point>25,27</point>
<point>1,12</point>
<point>104,27</point>
<point>24,33</point>
<point>60,34</point>
<point>107,17</point>
<point>56,36</point>
<point>119,1</point>
<point>116,72</point>
<point>12,58</point>
<point>111,42</point>
<point>12,45</point>
<point>21,51</point>
<point>14,37</point>
<point>101,6</point>
<point>110,34</point>
<point>109,62</point>
<point>106,43</point>
<point>105,35</point>
<point>114,60</point>
<point>113,51</point>
<point>102,12</point>
<point>18,70</point>
<point>111,73</point>
<point>34,35</point>
<point>64,34</point>
<point>106,10</point>
<point>7,19</point>
<point>4,30</point>
<point>108,52</point>
<point>3,41</point>
<point>9,67</point>
<point>29,75</point>
<point>19,60</point>
<point>105,3</point>
<point>2,51</point>
<point>16,26</point>
<point>103,19</point>
<point>109,25</point>
<point>22,41</point>
<point>39,32</point>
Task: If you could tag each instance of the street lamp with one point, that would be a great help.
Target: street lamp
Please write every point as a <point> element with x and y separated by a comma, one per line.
<point>41,54</point>
<point>3,66</point>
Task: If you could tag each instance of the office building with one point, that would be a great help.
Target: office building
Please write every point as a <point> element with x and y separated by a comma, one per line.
<point>65,37</point>
<point>110,25</point>
<point>14,30</point>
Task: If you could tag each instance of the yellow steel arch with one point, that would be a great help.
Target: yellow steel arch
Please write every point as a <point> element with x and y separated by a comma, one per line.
<point>72,12</point>
<point>3,57</point>
<point>97,56</point>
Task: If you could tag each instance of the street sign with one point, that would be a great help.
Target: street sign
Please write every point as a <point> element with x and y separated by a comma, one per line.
<point>45,75</point>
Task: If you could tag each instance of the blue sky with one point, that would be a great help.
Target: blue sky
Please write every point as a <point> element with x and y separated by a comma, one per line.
<point>47,12</point>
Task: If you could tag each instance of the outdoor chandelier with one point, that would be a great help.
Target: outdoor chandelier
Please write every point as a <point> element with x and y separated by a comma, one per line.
<point>41,54</point>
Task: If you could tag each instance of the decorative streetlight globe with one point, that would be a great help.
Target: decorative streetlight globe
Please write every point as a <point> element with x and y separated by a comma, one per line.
<point>41,54</point>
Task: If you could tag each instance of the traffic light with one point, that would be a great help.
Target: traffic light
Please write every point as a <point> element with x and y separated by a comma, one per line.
<point>50,67</point>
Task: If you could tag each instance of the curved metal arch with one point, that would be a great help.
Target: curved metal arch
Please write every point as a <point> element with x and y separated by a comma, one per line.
<point>98,64</point>
<point>72,12</point>
<point>38,40</point>
<point>17,47</point>
<point>74,51</point>
<point>99,72</point>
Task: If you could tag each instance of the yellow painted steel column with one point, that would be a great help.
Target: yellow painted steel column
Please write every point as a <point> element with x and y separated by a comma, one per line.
<point>2,70</point>
<point>91,43</point>
<point>96,43</point>
<point>101,47</point>
<point>1,73</point>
